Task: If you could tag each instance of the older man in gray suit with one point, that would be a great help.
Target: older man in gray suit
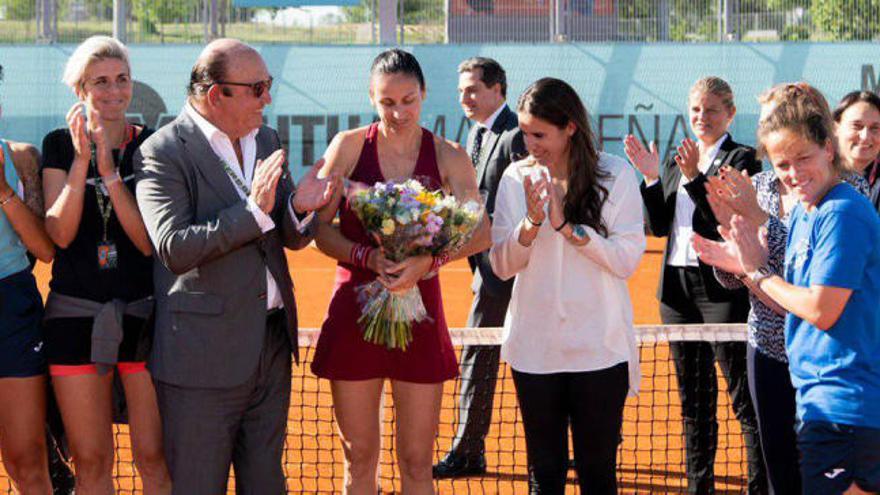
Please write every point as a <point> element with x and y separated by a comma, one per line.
<point>220,208</point>
<point>493,143</point>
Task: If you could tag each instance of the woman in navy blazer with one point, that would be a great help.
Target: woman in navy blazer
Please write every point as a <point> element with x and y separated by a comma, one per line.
<point>676,207</point>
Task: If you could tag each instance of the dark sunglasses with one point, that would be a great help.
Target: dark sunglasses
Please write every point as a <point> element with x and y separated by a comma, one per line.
<point>258,88</point>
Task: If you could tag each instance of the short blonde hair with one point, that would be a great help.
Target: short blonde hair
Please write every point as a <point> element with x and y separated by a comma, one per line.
<point>91,50</point>
<point>714,86</point>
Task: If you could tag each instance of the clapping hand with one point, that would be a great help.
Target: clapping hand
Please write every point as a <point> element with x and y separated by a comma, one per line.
<point>688,158</point>
<point>76,122</point>
<point>313,192</point>
<point>537,196</point>
<point>719,200</point>
<point>743,195</point>
<point>265,182</point>
<point>557,212</point>
<point>647,161</point>
<point>732,192</point>
<point>751,245</point>
<point>721,255</point>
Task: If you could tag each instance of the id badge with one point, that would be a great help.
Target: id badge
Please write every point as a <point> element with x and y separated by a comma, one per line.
<point>107,256</point>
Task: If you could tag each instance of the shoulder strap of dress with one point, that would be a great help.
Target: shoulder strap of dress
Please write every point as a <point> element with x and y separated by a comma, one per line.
<point>426,149</point>
<point>368,160</point>
<point>8,164</point>
<point>372,132</point>
<point>371,148</point>
<point>427,162</point>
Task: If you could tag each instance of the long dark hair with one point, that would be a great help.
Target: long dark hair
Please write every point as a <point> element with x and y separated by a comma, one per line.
<point>554,101</point>
<point>855,97</point>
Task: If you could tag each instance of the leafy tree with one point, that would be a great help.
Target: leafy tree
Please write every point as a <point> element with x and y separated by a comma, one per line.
<point>414,11</point>
<point>846,20</point>
<point>18,9</point>
<point>150,13</point>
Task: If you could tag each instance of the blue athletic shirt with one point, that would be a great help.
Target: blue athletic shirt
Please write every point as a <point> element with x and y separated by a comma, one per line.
<point>13,254</point>
<point>837,372</point>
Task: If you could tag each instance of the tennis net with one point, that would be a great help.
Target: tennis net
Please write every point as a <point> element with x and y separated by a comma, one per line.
<point>651,457</point>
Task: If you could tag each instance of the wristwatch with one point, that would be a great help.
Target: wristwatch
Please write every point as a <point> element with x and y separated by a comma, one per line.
<point>760,274</point>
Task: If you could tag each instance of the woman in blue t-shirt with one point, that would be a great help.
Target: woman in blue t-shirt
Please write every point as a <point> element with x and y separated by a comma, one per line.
<point>831,290</point>
<point>766,200</point>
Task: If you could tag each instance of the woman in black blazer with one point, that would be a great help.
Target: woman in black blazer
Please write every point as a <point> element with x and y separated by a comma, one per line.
<point>675,207</point>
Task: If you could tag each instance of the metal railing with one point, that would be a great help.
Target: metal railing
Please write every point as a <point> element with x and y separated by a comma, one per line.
<point>444,21</point>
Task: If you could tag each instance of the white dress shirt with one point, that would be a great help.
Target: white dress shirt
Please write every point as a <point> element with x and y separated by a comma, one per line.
<point>488,123</point>
<point>681,251</point>
<point>222,146</point>
<point>570,309</point>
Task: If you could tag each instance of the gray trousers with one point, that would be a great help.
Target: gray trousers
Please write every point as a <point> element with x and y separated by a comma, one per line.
<point>479,373</point>
<point>208,429</point>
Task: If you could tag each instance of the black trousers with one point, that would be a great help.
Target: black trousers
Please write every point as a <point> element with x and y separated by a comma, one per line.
<point>774,400</point>
<point>479,374</point>
<point>698,384</point>
<point>592,402</point>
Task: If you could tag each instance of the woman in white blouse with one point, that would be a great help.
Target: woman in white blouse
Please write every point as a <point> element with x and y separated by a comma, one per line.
<point>568,225</point>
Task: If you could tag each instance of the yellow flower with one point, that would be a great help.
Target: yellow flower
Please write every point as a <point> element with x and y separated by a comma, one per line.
<point>427,198</point>
<point>387,226</point>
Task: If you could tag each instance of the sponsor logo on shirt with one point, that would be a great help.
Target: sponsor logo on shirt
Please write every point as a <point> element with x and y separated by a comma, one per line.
<point>801,253</point>
<point>834,473</point>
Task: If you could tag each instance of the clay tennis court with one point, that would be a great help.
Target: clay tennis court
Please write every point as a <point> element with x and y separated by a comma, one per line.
<point>651,459</point>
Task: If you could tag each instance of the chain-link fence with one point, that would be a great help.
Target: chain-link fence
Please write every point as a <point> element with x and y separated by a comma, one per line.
<point>444,21</point>
<point>193,21</point>
<point>662,20</point>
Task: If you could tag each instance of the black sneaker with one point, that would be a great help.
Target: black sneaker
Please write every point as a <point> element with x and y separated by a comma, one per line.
<point>459,467</point>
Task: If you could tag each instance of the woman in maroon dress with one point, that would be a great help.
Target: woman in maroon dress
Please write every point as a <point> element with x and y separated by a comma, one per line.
<point>395,148</point>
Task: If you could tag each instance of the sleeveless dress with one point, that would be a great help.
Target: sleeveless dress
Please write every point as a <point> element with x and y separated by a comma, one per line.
<point>342,353</point>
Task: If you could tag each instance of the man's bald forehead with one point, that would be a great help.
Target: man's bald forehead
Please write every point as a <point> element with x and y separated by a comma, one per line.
<point>228,48</point>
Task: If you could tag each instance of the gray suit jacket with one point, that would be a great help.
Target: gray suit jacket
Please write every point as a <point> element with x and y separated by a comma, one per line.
<point>210,259</point>
<point>501,145</point>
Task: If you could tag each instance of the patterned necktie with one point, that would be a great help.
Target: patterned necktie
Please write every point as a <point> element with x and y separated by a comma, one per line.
<point>478,144</point>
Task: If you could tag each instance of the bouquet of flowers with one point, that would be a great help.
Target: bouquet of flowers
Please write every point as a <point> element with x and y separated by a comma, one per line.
<point>407,220</point>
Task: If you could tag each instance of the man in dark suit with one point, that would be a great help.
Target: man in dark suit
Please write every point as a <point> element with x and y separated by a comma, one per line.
<point>493,143</point>
<point>220,208</point>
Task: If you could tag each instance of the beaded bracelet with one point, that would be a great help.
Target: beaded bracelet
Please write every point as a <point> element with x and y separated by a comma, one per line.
<point>8,197</point>
<point>115,177</point>
<point>360,254</point>
<point>439,261</point>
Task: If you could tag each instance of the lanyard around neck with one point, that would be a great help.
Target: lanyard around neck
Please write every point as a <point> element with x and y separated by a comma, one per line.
<point>105,205</point>
<point>239,184</point>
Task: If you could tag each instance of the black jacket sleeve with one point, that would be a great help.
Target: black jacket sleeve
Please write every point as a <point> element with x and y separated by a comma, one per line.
<point>705,224</point>
<point>658,211</point>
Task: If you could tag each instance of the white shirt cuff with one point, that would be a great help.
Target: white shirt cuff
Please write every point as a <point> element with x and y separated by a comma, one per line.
<point>299,225</point>
<point>263,220</point>
<point>649,183</point>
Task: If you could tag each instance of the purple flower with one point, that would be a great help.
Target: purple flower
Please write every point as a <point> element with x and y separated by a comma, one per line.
<point>433,223</point>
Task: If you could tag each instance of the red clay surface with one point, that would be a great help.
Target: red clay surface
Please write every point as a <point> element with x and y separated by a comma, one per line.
<point>651,455</point>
